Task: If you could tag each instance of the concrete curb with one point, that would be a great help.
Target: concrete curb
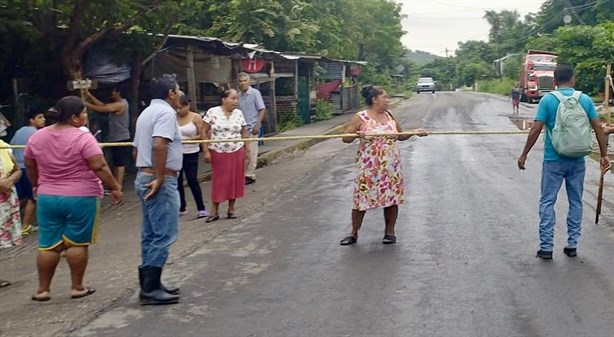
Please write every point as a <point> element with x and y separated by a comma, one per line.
<point>268,157</point>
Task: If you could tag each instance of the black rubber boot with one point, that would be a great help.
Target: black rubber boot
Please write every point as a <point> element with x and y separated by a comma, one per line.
<point>172,291</point>
<point>151,291</point>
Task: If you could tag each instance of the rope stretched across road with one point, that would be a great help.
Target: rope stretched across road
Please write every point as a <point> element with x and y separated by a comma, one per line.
<point>282,138</point>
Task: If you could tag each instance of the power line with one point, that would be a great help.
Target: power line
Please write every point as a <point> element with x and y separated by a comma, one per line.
<point>571,7</point>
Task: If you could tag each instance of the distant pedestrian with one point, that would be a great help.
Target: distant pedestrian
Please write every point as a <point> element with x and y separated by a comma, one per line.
<point>515,97</point>
<point>66,166</point>
<point>253,108</point>
<point>379,182</point>
<point>159,158</point>
<point>119,128</point>
<point>227,159</point>
<point>10,219</point>
<point>36,120</point>
<point>558,168</point>
<point>190,125</point>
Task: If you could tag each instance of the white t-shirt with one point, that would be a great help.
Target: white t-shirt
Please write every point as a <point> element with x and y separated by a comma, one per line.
<point>223,127</point>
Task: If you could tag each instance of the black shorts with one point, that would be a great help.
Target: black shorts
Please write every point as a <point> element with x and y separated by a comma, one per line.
<point>24,187</point>
<point>121,154</point>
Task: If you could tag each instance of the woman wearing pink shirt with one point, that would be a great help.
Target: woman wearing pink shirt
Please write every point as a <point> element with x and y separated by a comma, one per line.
<point>65,166</point>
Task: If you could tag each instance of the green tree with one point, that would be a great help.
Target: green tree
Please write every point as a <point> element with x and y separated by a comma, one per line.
<point>444,71</point>
<point>589,49</point>
<point>85,23</point>
<point>542,42</point>
<point>476,50</point>
<point>512,66</point>
<point>470,73</point>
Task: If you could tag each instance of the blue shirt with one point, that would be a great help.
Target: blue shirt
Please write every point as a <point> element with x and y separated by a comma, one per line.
<point>250,102</point>
<point>515,93</point>
<point>546,112</point>
<point>21,138</point>
<point>158,120</point>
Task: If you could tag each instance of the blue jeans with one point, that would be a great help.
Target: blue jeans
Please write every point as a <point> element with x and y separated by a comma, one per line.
<point>553,174</point>
<point>160,219</point>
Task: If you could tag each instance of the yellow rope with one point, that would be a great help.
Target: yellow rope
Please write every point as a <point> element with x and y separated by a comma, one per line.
<point>282,138</point>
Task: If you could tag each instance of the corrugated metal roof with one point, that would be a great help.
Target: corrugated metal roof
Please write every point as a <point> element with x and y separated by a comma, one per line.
<point>254,47</point>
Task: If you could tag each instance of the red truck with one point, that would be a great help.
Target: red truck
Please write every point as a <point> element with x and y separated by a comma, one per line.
<point>537,75</point>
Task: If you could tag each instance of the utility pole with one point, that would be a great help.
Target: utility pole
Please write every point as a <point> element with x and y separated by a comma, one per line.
<point>608,78</point>
<point>446,52</point>
<point>572,9</point>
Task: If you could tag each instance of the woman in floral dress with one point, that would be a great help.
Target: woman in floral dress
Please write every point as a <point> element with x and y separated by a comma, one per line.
<point>379,183</point>
<point>10,219</point>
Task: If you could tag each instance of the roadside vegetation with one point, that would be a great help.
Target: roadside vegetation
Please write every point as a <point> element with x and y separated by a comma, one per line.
<point>587,42</point>
<point>501,87</point>
<point>35,49</point>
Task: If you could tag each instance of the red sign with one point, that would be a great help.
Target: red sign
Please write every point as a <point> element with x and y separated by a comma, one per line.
<point>252,65</point>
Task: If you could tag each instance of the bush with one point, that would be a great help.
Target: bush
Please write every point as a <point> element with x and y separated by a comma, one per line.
<point>324,110</point>
<point>289,120</point>
<point>501,87</point>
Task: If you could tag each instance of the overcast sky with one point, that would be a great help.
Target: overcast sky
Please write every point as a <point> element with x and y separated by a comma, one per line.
<point>434,26</point>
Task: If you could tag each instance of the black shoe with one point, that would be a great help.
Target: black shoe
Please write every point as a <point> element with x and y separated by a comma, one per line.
<point>249,181</point>
<point>544,255</point>
<point>152,292</point>
<point>571,252</point>
<point>349,240</point>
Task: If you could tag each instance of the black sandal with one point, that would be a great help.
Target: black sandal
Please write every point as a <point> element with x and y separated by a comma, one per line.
<point>41,298</point>
<point>389,239</point>
<point>212,218</point>
<point>348,240</point>
<point>231,215</point>
<point>88,292</point>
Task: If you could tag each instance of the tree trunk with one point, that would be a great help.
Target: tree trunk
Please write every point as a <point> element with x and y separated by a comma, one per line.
<point>135,83</point>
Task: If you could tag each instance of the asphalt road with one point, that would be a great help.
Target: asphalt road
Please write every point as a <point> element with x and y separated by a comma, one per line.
<point>464,263</point>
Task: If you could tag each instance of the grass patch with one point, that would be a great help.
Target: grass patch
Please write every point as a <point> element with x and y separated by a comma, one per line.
<point>501,87</point>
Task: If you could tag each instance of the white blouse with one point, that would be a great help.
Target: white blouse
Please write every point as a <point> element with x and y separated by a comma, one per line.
<point>223,127</point>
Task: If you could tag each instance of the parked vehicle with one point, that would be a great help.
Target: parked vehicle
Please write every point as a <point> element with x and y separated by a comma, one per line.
<point>425,84</point>
<point>537,75</point>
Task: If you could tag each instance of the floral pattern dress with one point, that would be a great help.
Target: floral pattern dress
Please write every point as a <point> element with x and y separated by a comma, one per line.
<point>379,182</point>
<point>10,219</point>
<point>223,127</point>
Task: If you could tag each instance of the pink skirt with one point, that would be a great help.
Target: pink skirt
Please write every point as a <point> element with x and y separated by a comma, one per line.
<point>227,175</point>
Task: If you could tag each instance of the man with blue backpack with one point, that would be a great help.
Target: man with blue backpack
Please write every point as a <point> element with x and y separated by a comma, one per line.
<point>569,116</point>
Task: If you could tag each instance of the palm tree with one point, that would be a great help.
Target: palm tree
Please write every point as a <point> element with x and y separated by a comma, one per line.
<point>494,20</point>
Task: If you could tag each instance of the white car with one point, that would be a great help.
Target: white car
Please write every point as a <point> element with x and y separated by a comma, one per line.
<point>425,84</point>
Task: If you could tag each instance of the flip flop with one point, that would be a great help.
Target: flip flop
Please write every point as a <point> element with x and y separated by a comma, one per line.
<point>88,291</point>
<point>41,299</point>
<point>231,216</point>
<point>26,231</point>
<point>348,240</point>
<point>4,283</point>
<point>389,239</point>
